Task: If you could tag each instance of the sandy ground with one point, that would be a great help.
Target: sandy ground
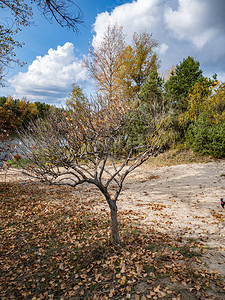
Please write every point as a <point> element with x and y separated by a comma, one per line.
<point>183,200</point>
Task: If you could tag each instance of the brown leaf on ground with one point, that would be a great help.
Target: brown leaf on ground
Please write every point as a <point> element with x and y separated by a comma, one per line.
<point>54,245</point>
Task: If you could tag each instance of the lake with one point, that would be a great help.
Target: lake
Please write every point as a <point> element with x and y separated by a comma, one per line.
<point>8,148</point>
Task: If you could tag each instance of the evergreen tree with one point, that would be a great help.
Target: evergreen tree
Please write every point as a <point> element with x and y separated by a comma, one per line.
<point>181,82</point>
<point>149,110</point>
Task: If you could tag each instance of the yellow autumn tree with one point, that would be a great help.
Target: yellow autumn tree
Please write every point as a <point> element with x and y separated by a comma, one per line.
<point>207,99</point>
<point>120,70</point>
<point>140,59</point>
<point>216,103</point>
<point>206,117</point>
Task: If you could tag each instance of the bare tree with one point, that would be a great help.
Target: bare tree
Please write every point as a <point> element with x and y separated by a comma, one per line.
<point>85,145</point>
<point>105,61</point>
<point>66,13</point>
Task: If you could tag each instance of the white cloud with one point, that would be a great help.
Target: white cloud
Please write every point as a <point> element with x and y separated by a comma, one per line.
<point>188,22</point>
<point>135,16</point>
<point>49,78</point>
<point>140,15</point>
<point>161,49</point>
<point>182,28</point>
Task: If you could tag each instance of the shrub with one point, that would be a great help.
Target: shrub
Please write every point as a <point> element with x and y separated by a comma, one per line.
<point>206,138</point>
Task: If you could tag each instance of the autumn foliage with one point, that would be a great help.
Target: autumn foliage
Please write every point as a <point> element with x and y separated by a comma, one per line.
<point>56,245</point>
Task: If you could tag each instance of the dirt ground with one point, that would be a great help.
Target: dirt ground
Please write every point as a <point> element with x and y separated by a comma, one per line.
<point>183,200</point>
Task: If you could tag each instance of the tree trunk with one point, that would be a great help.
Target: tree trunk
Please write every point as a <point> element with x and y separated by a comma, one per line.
<point>114,224</point>
<point>113,210</point>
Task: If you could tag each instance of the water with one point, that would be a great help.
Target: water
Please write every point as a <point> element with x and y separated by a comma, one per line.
<point>8,148</point>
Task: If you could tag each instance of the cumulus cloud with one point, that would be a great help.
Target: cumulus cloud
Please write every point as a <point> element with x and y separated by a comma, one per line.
<point>49,78</point>
<point>181,27</point>
<point>135,16</point>
<point>197,21</point>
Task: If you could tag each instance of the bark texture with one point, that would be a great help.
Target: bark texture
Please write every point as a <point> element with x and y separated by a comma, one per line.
<point>114,224</point>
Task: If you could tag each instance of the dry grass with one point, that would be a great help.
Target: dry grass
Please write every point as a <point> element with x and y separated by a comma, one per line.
<point>178,157</point>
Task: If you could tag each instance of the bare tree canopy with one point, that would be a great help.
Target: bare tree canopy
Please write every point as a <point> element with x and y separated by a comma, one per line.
<point>106,61</point>
<point>91,141</point>
<point>86,143</point>
<point>66,13</point>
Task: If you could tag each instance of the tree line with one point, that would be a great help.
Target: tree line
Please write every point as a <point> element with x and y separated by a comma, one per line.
<point>191,105</point>
<point>15,113</point>
<point>194,104</point>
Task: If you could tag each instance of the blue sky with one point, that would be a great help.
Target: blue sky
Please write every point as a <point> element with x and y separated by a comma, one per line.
<point>54,54</point>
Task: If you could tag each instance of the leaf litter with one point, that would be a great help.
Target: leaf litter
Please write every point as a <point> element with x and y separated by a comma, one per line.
<point>54,246</point>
